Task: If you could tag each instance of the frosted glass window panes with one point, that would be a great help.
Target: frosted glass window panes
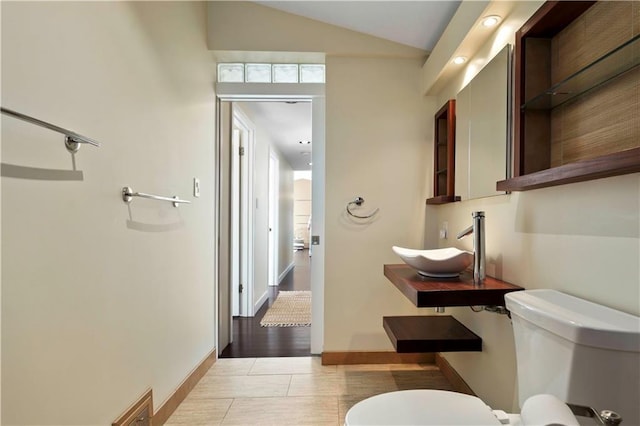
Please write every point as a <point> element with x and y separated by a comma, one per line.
<point>231,73</point>
<point>285,73</point>
<point>258,73</point>
<point>312,73</point>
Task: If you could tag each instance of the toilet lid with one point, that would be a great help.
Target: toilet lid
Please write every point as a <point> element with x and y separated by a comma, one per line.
<point>421,407</point>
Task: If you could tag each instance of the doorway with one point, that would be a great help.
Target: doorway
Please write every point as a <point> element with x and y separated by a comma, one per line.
<point>276,272</point>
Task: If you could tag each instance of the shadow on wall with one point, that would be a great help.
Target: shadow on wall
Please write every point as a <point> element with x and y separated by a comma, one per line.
<point>152,216</point>
<point>38,173</point>
<point>588,209</point>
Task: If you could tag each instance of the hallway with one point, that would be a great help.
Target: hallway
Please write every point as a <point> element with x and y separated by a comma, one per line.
<point>250,340</point>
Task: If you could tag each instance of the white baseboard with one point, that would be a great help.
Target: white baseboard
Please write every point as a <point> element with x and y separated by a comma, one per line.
<point>285,272</point>
<point>260,302</point>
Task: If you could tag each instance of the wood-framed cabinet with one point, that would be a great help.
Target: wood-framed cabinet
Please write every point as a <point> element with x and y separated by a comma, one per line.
<point>444,161</point>
<point>577,94</point>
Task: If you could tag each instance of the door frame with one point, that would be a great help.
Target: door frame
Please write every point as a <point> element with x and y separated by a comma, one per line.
<point>315,93</point>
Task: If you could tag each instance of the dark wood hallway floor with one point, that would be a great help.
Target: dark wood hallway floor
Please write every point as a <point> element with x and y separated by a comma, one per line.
<point>252,341</point>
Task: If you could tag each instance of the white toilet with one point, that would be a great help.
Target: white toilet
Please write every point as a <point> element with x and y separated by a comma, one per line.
<point>567,350</point>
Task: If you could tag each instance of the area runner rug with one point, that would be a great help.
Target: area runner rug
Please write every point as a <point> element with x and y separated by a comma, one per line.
<point>291,309</point>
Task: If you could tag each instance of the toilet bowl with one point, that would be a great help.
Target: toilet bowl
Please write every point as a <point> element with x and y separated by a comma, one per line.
<point>421,407</point>
<point>444,408</point>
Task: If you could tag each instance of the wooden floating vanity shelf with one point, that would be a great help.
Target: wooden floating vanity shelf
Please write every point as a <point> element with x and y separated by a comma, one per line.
<point>577,78</point>
<point>433,292</point>
<point>439,333</point>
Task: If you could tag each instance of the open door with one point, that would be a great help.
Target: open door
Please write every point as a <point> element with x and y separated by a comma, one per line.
<point>235,222</point>
<point>242,211</point>
<point>274,197</point>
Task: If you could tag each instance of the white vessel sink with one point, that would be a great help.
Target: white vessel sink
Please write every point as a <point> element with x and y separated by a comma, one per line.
<point>436,263</point>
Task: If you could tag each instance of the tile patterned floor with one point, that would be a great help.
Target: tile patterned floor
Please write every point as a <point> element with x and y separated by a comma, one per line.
<point>293,391</point>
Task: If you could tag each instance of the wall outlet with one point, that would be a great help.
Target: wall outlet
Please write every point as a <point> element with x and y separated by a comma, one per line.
<point>196,187</point>
<point>444,230</point>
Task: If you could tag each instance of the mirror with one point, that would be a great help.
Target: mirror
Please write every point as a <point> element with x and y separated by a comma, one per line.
<point>483,129</point>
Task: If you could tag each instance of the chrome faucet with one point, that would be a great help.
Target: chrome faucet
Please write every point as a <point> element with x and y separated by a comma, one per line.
<point>478,246</point>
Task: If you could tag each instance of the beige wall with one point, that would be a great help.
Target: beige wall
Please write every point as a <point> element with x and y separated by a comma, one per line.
<point>582,239</point>
<point>102,300</point>
<point>376,147</point>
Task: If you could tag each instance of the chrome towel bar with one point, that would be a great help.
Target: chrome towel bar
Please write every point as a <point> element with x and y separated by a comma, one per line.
<point>128,194</point>
<point>72,139</point>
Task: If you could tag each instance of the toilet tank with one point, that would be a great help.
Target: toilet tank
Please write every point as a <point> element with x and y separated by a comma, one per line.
<point>579,351</point>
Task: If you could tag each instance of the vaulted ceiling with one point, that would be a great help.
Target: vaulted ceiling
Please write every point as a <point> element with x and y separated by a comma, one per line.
<point>414,23</point>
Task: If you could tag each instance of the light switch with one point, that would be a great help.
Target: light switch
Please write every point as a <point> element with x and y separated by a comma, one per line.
<point>196,187</point>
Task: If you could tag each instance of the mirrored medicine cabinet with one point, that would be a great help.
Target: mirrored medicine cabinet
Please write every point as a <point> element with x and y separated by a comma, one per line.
<point>473,135</point>
<point>483,129</point>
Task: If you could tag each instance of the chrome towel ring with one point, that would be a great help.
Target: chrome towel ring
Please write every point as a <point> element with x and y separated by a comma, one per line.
<point>358,202</point>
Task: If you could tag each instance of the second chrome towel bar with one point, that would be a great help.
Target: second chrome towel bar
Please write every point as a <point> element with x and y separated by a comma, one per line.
<point>128,194</point>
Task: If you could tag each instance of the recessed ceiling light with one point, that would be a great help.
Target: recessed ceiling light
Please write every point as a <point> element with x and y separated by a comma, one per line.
<point>490,21</point>
<point>459,60</point>
<point>311,164</point>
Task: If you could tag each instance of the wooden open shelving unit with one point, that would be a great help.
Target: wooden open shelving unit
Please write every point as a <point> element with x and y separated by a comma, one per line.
<point>444,154</point>
<point>577,78</point>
